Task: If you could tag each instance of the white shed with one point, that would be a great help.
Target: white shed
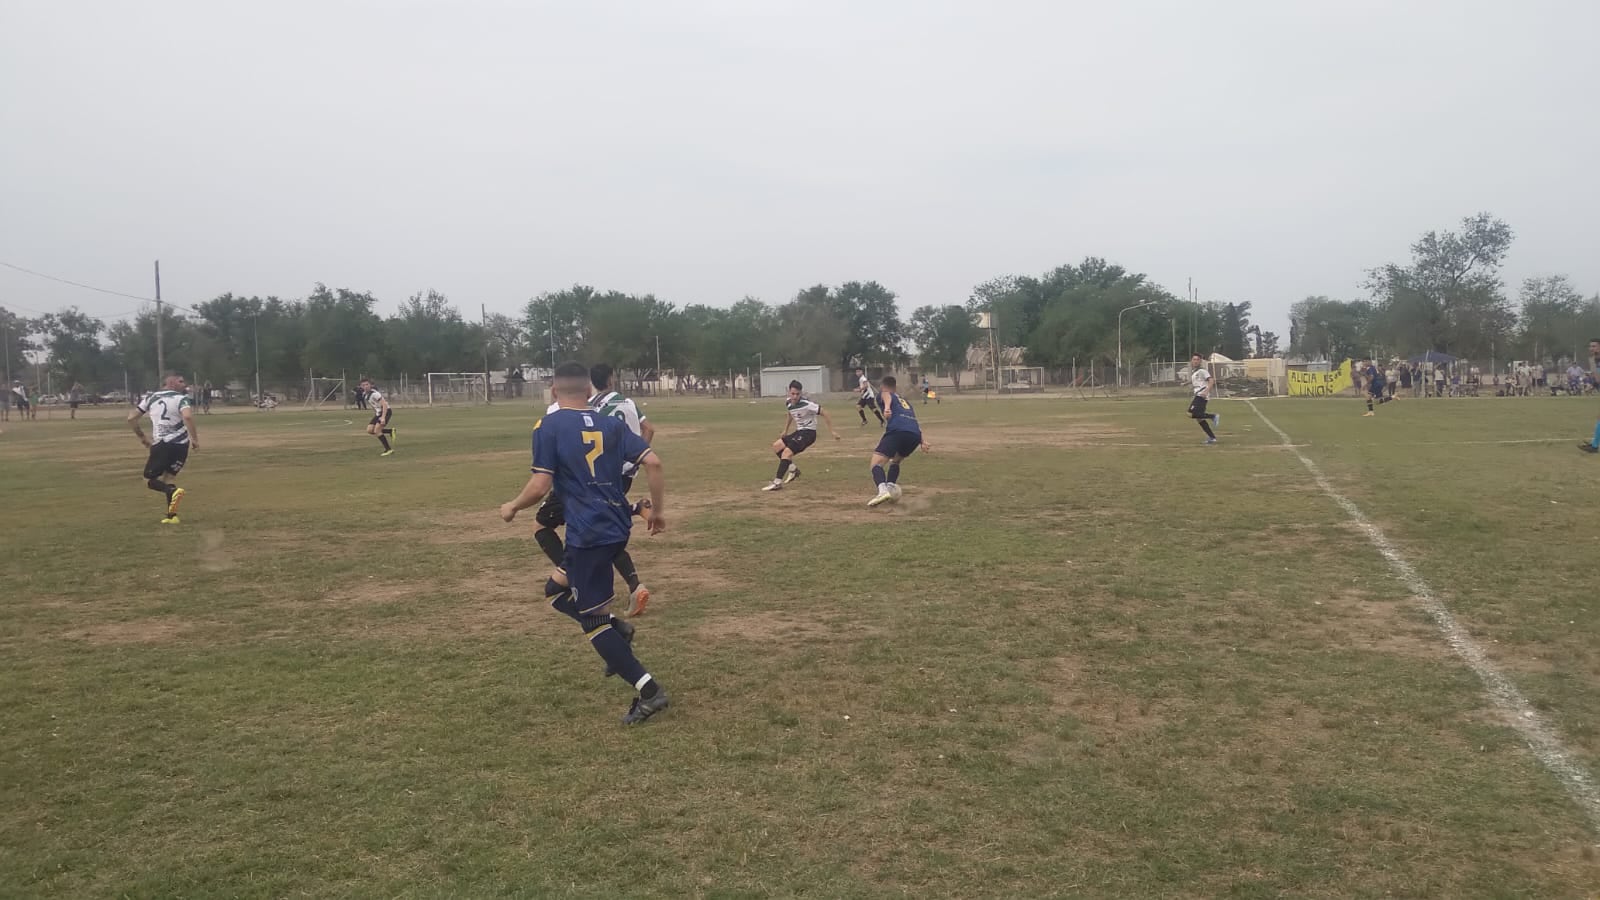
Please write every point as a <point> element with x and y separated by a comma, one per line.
<point>814,380</point>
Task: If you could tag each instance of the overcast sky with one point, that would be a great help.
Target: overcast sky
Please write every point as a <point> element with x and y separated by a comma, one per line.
<point>707,150</point>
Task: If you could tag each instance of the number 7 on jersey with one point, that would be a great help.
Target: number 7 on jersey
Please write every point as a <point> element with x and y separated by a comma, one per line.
<point>596,442</point>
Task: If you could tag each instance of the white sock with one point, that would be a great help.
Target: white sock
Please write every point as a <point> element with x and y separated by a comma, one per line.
<point>639,685</point>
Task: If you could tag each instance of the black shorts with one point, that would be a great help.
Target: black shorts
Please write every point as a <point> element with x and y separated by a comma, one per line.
<point>867,402</point>
<point>798,441</point>
<point>899,443</point>
<point>22,402</point>
<point>166,459</point>
<point>1197,408</point>
<point>589,571</point>
<point>552,514</point>
<point>383,419</point>
<point>73,404</point>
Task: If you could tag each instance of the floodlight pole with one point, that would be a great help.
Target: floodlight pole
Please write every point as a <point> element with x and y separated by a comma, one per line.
<point>161,354</point>
<point>1119,337</point>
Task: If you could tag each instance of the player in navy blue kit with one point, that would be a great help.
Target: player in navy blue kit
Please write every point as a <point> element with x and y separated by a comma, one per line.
<point>1375,382</point>
<point>580,453</point>
<point>901,438</point>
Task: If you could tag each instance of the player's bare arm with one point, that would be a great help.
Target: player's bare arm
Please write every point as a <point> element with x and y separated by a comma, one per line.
<point>655,518</point>
<point>647,430</point>
<point>827,420</point>
<point>133,420</point>
<point>532,492</point>
<point>188,422</point>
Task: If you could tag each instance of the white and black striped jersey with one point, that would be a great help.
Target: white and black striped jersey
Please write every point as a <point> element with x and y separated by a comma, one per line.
<point>804,413</point>
<point>375,400</point>
<point>867,393</point>
<point>617,406</point>
<point>166,415</point>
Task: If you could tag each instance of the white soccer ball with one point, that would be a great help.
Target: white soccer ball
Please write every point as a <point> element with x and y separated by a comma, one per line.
<point>894,491</point>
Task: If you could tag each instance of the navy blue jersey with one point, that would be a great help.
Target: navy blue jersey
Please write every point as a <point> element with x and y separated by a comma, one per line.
<point>1373,375</point>
<point>902,415</point>
<point>584,451</point>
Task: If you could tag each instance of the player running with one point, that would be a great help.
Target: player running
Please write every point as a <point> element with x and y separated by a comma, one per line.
<point>1594,368</point>
<point>868,398</point>
<point>580,453</point>
<point>607,402</point>
<point>1200,382</point>
<point>901,438</point>
<point>802,412</point>
<point>1376,383</point>
<point>172,423</point>
<point>382,414</point>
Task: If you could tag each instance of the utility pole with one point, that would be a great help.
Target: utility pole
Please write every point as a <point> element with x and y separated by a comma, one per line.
<point>488,388</point>
<point>256,336</point>
<point>161,353</point>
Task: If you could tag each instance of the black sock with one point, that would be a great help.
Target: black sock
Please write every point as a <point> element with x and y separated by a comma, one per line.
<point>894,473</point>
<point>783,467</point>
<point>863,414</point>
<point>384,440</point>
<point>1369,404</point>
<point>649,690</point>
<point>876,413</point>
<point>1207,426</point>
<point>627,570</point>
<point>157,485</point>
<point>550,543</point>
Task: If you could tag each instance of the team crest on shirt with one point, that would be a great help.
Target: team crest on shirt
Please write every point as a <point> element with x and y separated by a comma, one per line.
<point>587,422</point>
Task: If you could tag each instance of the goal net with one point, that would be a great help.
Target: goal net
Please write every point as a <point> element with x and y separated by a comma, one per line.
<point>1021,378</point>
<point>325,392</point>
<point>449,388</point>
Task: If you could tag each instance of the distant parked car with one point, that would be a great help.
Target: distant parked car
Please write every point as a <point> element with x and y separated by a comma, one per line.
<point>113,397</point>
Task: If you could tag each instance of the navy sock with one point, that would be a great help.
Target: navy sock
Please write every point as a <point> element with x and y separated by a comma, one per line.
<point>614,649</point>
<point>550,543</point>
<point>561,600</point>
<point>894,473</point>
<point>878,476</point>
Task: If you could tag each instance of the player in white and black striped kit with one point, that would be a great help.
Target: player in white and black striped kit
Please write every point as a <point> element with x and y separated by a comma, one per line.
<point>1200,382</point>
<point>868,398</point>
<point>802,412</point>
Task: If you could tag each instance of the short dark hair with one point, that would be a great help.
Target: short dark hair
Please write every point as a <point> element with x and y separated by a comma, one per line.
<point>570,378</point>
<point>888,382</point>
<point>797,385</point>
<point>600,375</point>
<point>1594,340</point>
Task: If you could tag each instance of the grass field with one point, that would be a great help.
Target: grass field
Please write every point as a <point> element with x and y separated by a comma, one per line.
<point>1083,656</point>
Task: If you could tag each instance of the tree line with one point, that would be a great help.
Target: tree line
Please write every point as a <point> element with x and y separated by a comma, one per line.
<point>1448,297</point>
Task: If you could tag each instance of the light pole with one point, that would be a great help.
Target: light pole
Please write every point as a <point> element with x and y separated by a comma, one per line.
<point>761,363</point>
<point>256,336</point>
<point>1119,336</point>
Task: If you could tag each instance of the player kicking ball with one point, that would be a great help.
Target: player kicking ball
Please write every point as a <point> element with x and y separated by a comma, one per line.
<point>580,453</point>
<point>382,413</point>
<point>901,438</point>
<point>802,412</point>
<point>173,436</point>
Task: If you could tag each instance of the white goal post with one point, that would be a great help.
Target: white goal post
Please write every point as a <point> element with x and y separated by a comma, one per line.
<point>1022,378</point>
<point>325,391</point>
<point>449,388</point>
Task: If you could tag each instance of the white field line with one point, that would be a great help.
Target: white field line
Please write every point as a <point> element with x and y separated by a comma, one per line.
<point>1541,736</point>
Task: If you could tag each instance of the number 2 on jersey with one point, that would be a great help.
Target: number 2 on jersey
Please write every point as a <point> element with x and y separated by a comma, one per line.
<point>596,442</point>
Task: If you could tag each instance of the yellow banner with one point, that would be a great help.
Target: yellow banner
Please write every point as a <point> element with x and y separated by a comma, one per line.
<point>1321,384</point>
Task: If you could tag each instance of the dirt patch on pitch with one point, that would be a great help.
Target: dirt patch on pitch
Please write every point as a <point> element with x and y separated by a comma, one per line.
<point>139,631</point>
<point>781,629</point>
<point>975,440</point>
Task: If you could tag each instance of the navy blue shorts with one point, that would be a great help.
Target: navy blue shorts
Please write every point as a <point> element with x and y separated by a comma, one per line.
<point>590,572</point>
<point>1376,390</point>
<point>899,443</point>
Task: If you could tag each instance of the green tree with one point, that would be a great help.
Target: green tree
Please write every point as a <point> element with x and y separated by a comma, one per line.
<point>1235,322</point>
<point>429,335</point>
<point>876,333</point>
<point>1552,319</point>
<point>809,331</point>
<point>943,335</point>
<point>1321,327</point>
<point>76,352</point>
<point>342,332</point>
<point>1450,297</point>
<point>15,335</point>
